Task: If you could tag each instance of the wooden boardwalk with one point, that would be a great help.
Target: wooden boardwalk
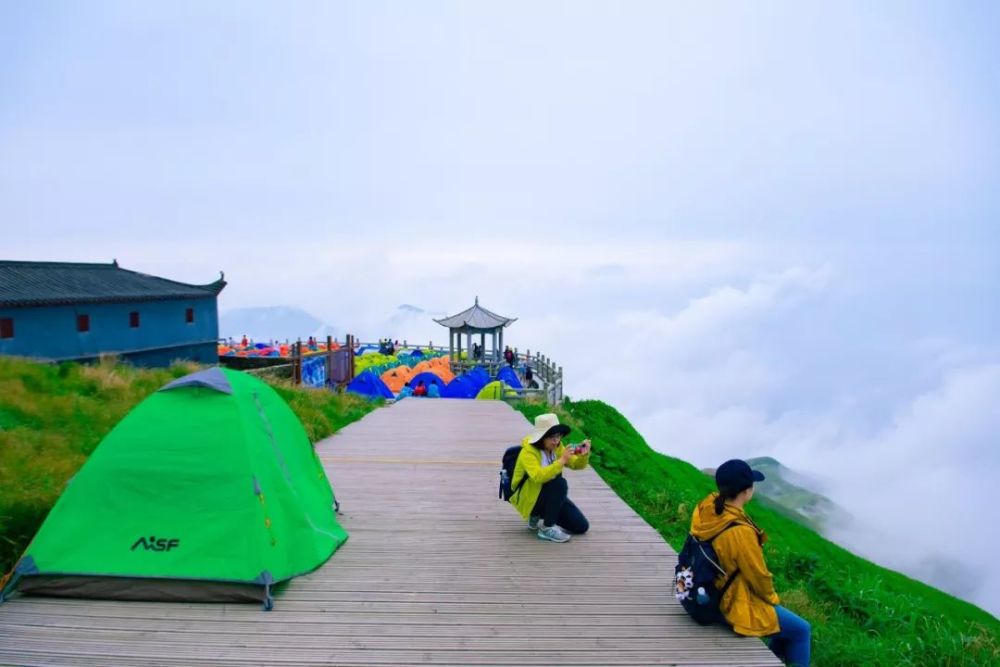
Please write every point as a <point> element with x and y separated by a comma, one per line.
<point>436,571</point>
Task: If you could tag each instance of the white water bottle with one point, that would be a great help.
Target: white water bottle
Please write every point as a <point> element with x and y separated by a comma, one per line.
<point>702,595</point>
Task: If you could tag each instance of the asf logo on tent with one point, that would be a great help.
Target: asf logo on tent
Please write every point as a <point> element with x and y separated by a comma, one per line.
<point>153,544</point>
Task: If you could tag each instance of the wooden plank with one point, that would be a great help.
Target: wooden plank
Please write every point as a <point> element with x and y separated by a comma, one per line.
<point>436,571</point>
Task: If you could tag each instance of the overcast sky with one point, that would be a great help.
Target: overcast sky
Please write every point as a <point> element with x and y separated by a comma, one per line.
<point>756,228</point>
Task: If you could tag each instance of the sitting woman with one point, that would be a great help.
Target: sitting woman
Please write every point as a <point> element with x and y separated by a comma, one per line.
<point>541,494</point>
<point>749,602</point>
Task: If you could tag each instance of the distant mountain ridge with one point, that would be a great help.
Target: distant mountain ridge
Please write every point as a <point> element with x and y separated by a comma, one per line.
<point>273,322</point>
<point>788,492</point>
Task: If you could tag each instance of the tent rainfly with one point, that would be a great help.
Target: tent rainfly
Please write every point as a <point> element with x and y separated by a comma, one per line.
<point>208,490</point>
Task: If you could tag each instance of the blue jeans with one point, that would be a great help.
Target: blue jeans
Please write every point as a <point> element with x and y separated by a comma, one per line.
<point>791,644</point>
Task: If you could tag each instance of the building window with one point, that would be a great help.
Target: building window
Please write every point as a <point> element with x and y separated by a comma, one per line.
<point>133,319</point>
<point>83,323</point>
<point>6,327</point>
<point>189,316</point>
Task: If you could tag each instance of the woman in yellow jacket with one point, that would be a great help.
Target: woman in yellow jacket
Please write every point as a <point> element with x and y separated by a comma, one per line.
<point>750,604</point>
<point>541,494</point>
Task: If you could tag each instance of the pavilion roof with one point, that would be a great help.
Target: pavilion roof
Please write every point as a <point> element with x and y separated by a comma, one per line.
<point>476,317</point>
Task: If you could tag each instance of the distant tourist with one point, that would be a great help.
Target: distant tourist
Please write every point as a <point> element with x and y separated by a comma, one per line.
<point>475,351</point>
<point>508,356</point>
<point>420,389</point>
<point>529,378</point>
<point>407,390</point>
<point>749,604</point>
<point>433,391</point>
<point>543,500</point>
<point>244,342</point>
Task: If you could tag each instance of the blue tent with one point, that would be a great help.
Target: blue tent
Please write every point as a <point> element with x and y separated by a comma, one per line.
<point>508,375</point>
<point>428,379</point>
<point>479,378</point>
<point>461,387</point>
<point>369,385</point>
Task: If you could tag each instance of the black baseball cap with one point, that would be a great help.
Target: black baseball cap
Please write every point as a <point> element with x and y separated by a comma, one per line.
<point>737,475</point>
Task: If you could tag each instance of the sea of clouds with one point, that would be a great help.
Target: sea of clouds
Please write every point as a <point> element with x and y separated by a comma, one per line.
<point>718,350</point>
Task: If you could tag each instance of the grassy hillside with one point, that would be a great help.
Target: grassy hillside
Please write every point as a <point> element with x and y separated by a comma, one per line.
<point>861,614</point>
<point>52,417</point>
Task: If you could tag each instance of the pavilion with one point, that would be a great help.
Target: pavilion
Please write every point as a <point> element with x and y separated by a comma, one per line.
<point>476,320</point>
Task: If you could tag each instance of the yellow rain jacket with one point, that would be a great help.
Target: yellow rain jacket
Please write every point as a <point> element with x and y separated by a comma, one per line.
<point>529,462</point>
<point>748,604</point>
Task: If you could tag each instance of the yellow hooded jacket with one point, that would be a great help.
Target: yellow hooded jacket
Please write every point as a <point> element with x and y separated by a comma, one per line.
<point>529,462</point>
<point>748,604</point>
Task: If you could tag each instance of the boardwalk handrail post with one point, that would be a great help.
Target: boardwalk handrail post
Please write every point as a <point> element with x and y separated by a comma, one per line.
<point>297,363</point>
<point>329,361</point>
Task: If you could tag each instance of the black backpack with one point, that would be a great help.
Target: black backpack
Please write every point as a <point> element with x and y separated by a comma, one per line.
<point>507,473</point>
<point>695,574</point>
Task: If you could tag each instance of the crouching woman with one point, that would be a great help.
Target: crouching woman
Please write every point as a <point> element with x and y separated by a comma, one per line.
<point>541,493</point>
<point>749,604</point>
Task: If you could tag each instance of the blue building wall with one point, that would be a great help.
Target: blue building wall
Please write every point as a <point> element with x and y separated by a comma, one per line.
<point>163,335</point>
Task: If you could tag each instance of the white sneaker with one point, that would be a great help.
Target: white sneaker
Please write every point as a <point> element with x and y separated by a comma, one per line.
<point>534,523</point>
<point>553,534</point>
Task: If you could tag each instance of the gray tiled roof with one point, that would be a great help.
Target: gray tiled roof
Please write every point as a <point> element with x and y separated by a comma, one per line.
<point>24,284</point>
<point>476,317</point>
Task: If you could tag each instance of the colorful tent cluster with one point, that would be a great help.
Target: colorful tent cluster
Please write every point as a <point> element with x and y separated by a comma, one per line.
<point>208,490</point>
<point>435,373</point>
<point>274,349</point>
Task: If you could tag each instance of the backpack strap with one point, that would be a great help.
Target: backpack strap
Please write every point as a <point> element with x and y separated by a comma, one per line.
<point>731,578</point>
<point>518,489</point>
<point>731,524</point>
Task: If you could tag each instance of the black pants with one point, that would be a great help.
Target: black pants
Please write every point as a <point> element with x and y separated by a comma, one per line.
<point>555,507</point>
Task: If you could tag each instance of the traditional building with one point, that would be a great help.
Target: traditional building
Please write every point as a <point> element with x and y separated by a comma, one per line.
<point>476,320</point>
<point>62,311</point>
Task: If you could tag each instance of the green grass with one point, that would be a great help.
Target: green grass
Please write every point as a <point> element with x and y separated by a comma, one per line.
<point>53,416</point>
<point>861,614</point>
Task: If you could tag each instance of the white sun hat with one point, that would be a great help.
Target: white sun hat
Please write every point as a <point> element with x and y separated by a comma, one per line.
<point>546,424</point>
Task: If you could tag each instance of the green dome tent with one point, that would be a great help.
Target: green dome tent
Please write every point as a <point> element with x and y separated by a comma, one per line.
<point>495,390</point>
<point>208,490</point>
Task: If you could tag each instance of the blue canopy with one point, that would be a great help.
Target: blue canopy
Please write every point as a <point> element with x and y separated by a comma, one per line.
<point>508,375</point>
<point>461,387</point>
<point>370,385</point>
<point>428,379</point>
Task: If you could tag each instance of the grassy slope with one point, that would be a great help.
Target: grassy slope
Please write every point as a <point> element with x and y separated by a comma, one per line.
<point>52,418</point>
<point>862,614</point>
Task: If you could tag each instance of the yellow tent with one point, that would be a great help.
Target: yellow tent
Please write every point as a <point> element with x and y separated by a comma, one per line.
<point>495,390</point>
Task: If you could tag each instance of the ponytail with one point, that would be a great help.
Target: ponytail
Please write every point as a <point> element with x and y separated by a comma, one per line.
<point>726,493</point>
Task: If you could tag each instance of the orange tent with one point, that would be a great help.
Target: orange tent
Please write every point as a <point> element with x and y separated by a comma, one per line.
<point>395,378</point>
